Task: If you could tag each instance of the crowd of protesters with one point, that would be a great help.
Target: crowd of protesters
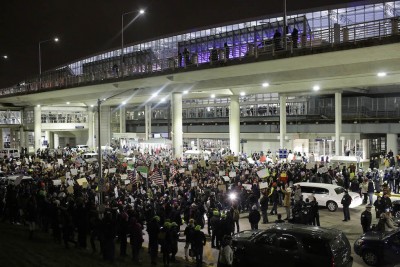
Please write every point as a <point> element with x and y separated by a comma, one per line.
<point>201,197</point>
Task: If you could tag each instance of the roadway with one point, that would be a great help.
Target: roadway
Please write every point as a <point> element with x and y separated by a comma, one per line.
<point>352,230</point>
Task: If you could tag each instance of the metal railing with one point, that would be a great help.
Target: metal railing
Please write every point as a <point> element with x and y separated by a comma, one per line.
<point>332,37</point>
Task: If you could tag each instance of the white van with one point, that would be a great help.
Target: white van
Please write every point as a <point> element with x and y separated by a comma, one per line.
<point>328,195</point>
<point>10,153</point>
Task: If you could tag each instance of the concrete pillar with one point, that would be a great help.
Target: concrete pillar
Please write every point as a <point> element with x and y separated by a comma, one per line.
<point>22,142</point>
<point>282,121</point>
<point>365,147</point>
<point>391,143</point>
<point>234,125</point>
<point>147,119</point>
<point>47,137</point>
<point>56,140</point>
<point>177,129</point>
<point>338,122</point>
<point>38,127</point>
<point>91,131</point>
<point>122,119</point>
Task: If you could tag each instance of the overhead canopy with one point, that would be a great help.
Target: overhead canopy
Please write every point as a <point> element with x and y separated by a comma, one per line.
<point>197,152</point>
<point>155,141</point>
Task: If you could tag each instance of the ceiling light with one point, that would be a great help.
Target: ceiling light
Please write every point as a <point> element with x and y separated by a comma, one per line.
<point>68,103</point>
<point>124,102</point>
<point>38,105</point>
<point>381,74</point>
<point>265,84</point>
<point>141,11</point>
<point>56,39</point>
<point>242,93</point>
<point>5,56</point>
<point>316,88</point>
<point>91,106</point>
<point>185,92</point>
<point>213,96</point>
<point>163,99</point>
<point>154,94</point>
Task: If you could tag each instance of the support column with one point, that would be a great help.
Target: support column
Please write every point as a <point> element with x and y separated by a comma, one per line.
<point>122,119</point>
<point>338,122</point>
<point>177,129</point>
<point>90,141</point>
<point>282,121</point>
<point>56,141</point>
<point>391,143</point>
<point>234,125</point>
<point>22,142</point>
<point>147,118</point>
<point>47,137</point>
<point>38,127</point>
<point>365,146</point>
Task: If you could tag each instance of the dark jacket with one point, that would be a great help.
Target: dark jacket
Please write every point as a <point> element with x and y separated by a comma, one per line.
<point>254,216</point>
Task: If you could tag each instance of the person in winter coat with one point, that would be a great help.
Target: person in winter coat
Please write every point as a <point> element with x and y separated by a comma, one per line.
<point>136,238</point>
<point>254,217</point>
<point>199,241</point>
<point>264,207</point>
<point>379,208</point>
<point>225,257</point>
<point>189,231</point>
<point>371,191</point>
<point>153,228</point>
<point>286,201</point>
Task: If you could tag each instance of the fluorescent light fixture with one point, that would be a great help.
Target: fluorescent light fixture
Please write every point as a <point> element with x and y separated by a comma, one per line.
<point>91,106</point>
<point>185,92</point>
<point>242,93</point>
<point>162,99</point>
<point>265,84</point>
<point>213,96</point>
<point>123,102</point>
<point>5,56</point>
<point>68,103</point>
<point>316,88</point>
<point>56,39</point>
<point>381,74</point>
<point>141,11</point>
<point>154,94</point>
<point>38,105</point>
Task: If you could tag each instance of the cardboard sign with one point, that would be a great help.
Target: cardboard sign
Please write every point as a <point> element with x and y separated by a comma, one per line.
<point>221,173</point>
<point>232,174</point>
<point>222,187</point>
<point>127,182</point>
<point>56,182</point>
<point>181,170</point>
<point>310,165</point>
<point>92,176</point>
<point>250,161</point>
<point>70,189</point>
<point>247,186</point>
<point>263,185</point>
<point>68,175</point>
<point>226,178</point>
<point>74,171</point>
<point>60,161</point>
<point>236,164</point>
<point>113,170</point>
<point>82,182</point>
<point>124,176</point>
<point>322,170</point>
<point>202,163</point>
<point>193,184</point>
<point>263,173</point>
<point>190,167</point>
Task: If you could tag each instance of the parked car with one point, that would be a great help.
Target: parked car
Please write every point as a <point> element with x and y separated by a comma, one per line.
<point>378,248</point>
<point>328,195</point>
<point>292,245</point>
<point>396,208</point>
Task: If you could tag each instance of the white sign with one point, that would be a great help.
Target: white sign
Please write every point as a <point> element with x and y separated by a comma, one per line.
<point>263,185</point>
<point>226,178</point>
<point>221,173</point>
<point>74,171</point>
<point>56,182</point>
<point>113,170</point>
<point>60,161</point>
<point>263,173</point>
<point>124,176</point>
<point>232,174</point>
<point>247,186</point>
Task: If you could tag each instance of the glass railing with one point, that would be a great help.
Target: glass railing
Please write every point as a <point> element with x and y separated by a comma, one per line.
<point>250,48</point>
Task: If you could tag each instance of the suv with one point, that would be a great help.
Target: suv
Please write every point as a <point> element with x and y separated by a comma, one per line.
<point>292,245</point>
<point>379,248</point>
<point>328,195</point>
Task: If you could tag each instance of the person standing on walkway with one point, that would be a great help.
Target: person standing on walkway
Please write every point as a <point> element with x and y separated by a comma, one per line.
<point>286,201</point>
<point>346,201</point>
<point>199,241</point>
<point>264,207</point>
<point>254,218</point>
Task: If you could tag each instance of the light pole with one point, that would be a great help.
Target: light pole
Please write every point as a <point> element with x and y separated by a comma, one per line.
<point>284,25</point>
<point>122,34</point>
<point>40,56</point>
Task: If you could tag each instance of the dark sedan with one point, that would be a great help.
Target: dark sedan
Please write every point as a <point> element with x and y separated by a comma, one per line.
<point>379,248</point>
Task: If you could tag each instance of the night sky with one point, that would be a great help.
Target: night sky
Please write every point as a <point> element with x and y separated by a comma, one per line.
<point>86,27</point>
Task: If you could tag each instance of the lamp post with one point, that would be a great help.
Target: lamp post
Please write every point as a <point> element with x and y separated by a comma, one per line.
<point>122,35</point>
<point>284,25</point>
<point>40,56</point>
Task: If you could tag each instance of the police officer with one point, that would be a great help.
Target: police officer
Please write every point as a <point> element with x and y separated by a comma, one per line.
<point>346,201</point>
<point>366,219</point>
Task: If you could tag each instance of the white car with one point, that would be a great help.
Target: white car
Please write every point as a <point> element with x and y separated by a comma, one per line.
<point>328,195</point>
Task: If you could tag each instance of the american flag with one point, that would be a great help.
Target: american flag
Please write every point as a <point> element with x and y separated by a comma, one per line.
<point>132,177</point>
<point>156,178</point>
<point>172,171</point>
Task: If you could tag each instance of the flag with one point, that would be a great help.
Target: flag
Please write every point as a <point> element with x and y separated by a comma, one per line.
<point>132,177</point>
<point>156,178</point>
<point>172,171</point>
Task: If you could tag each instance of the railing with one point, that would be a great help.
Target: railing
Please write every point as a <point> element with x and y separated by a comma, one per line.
<point>332,37</point>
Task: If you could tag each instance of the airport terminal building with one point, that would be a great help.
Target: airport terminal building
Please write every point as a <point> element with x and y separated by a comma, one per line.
<point>324,80</point>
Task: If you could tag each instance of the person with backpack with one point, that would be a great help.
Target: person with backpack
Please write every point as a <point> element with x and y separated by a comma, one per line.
<point>346,201</point>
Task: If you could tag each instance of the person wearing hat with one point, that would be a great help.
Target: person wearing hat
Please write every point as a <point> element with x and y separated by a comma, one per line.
<point>366,219</point>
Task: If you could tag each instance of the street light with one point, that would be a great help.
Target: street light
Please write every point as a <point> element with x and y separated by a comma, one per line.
<point>40,55</point>
<point>141,12</point>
